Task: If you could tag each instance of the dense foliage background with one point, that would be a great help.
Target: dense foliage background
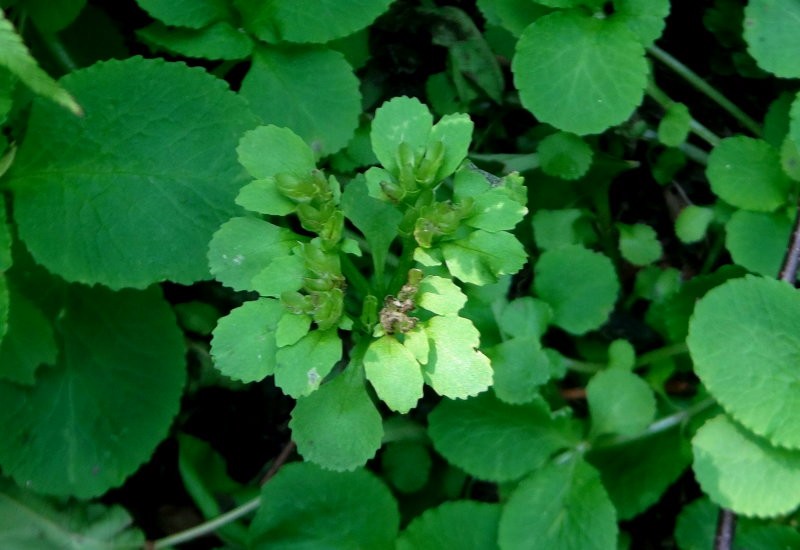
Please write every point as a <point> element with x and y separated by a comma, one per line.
<point>413,273</point>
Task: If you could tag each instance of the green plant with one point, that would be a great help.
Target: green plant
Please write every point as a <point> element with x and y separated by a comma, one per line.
<point>471,265</point>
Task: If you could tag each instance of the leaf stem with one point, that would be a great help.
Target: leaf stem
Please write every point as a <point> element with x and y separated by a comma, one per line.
<point>726,529</point>
<point>208,527</point>
<point>354,276</point>
<point>704,87</point>
<point>658,95</point>
<point>661,353</point>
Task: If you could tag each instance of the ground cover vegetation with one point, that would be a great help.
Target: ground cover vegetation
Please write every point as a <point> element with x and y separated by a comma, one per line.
<point>416,274</point>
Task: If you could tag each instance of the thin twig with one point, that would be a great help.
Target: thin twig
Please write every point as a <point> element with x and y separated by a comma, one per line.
<point>208,527</point>
<point>791,261</point>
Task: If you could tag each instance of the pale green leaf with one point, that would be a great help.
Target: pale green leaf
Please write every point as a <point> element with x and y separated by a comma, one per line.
<point>757,240</point>
<point>291,327</point>
<point>269,150</point>
<point>338,426</point>
<point>243,346</point>
<point>406,465</point>
<point>580,285</point>
<point>770,30</point>
<point>15,57</point>
<point>94,418</point>
<point>301,367</point>
<point>280,20</point>
<point>481,257</point>
<point>455,132</point>
<point>312,91</point>
<point>28,521</point>
<point>746,173</point>
<point>462,524</point>
<point>440,295</point>
<point>416,341</point>
<point>646,18</point>
<point>400,120</point>
<point>673,129</point>
<point>744,339</point>
<point>306,507</point>
<point>639,244</point>
<point>514,15</point>
<point>137,186</point>
<point>495,210</point>
<point>262,196</point>
<point>692,223</point>
<point>755,480</point>
<point>455,369</point>
<point>218,41</point>
<point>620,402</point>
<point>29,342</point>
<point>637,473</point>
<point>579,73</point>
<point>564,155</point>
<point>394,373</point>
<point>520,367</point>
<point>492,440</point>
<point>243,247</point>
<point>790,158</point>
<point>281,275</point>
<point>186,13</point>
<point>562,506</point>
<point>563,227</point>
<point>525,317</point>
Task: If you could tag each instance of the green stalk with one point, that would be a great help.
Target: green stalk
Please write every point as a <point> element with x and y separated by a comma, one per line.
<point>210,526</point>
<point>698,129</point>
<point>704,87</point>
<point>661,353</point>
<point>354,276</point>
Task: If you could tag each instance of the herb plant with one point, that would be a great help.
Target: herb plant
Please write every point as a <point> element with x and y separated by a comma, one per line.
<point>415,274</point>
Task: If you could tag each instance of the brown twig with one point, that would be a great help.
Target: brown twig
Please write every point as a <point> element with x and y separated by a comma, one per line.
<point>726,529</point>
<point>279,461</point>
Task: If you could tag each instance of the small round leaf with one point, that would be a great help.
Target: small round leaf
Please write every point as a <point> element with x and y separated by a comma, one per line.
<point>564,155</point>
<point>462,524</point>
<point>770,30</point>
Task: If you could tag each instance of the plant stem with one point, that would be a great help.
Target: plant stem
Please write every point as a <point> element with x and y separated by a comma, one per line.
<point>354,276</point>
<point>208,527</point>
<point>726,529</point>
<point>405,263</point>
<point>699,130</point>
<point>660,425</point>
<point>704,87</point>
<point>791,261</point>
<point>661,353</point>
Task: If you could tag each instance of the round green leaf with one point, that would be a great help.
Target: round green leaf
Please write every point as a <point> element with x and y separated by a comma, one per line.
<point>218,41</point>
<point>406,465</point>
<point>269,150</point>
<point>394,373</point>
<point>564,155</point>
<point>692,223</point>
<point>744,339</point>
<point>673,129</point>
<point>646,18</point>
<point>696,525</point>
<point>244,247</point>
<point>399,120</point>
<point>580,285</point>
<point>579,73</point>
<point>243,345</point>
<point>743,472</point>
<point>132,193</point>
<point>328,20</point>
<point>746,173</point>
<point>263,196</point>
<point>462,524</point>
<point>525,317</point>
<point>96,416</point>
<point>620,402</point>
<point>312,91</point>
<point>186,13</point>
<point>520,367</point>
<point>639,244</point>
<point>561,506</point>
<point>790,158</point>
<point>338,426</point>
<point>770,30</point>
<point>757,240</point>
<point>481,257</point>
<point>492,440</point>
<point>456,369</point>
<point>563,227</point>
<point>301,367</point>
<point>306,507</point>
